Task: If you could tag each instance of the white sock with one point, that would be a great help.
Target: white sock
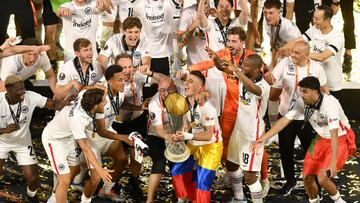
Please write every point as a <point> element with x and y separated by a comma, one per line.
<point>84,199</point>
<point>236,183</point>
<point>52,198</point>
<point>55,181</point>
<point>273,111</point>
<point>255,191</point>
<point>29,192</point>
<point>79,178</point>
<point>337,198</point>
<point>316,200</point>
<point>108,186</point>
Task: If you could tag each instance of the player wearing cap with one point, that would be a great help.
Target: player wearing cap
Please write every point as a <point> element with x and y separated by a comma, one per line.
<point>16,108</point>
<point>25,65</point>
<point>80,72</point>
<point>333,144</point>
<point>131,42</point>
<point>202,130</point>
<point>62,136</point>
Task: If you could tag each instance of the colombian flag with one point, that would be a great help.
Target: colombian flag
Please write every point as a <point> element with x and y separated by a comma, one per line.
<point>193,178</point>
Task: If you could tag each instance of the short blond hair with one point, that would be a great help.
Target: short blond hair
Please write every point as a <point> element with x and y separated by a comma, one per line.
<point>12,79</point>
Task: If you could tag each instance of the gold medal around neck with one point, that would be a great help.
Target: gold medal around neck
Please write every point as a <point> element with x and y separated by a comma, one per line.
<point>93,135</point>
<point>193,124</point>
<point>244,101</point>
<point>117,118</point>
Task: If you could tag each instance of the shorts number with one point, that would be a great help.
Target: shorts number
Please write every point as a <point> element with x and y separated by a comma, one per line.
<point>31,151</point>
<point>245,158</point>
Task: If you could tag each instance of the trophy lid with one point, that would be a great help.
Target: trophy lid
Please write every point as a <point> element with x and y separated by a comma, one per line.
<point>176,104</point>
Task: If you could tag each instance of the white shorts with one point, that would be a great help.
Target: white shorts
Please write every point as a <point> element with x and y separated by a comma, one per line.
<point>99,145</point>
<point>62,153</point>
<point>239,153</point>
<point>25,155</point>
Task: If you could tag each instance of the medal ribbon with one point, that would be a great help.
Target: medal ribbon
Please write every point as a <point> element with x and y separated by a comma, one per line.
<point>274,38</point>
<point>84,78</point>
<point>115,105</point>
<point>16,117</point>
<point>93,121</point>
<point>223,30</point>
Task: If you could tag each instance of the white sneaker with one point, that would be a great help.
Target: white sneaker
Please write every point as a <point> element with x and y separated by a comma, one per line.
<point>52,198</point>
<point>265,184</point>
<point>234,200</point>
<point>111,195</point>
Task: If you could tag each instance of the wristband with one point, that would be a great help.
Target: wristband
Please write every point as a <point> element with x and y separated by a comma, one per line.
<point>188,136</point>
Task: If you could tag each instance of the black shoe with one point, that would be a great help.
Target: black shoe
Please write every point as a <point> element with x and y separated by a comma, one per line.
<point>347,64</point>
<point>135,189</point>
<point>287,188</point>
<point>32,199</point>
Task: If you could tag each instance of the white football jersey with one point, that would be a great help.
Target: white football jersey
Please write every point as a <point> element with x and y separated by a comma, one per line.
<point>334,41</point>
<point>195,48</point>
<point>83,23</point>
<point>67,72</point>
<point>109,112</point>
<point>13,65</point>
<point>252,108</point>
<point>284,32</point>
<point>116,45</point>
<point>216,37</point>
<point>157,19</point>
<point>71,121</point>
<point>290,75</point>
<point>158,115</point>
<point>202,116</point>
<point>133,94</point>
<point>328,116</point>
<point>26,108</point>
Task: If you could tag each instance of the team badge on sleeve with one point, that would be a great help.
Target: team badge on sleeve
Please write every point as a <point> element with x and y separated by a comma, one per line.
<point>61,76</point>
<point>24,109</point>
<point>93,76</point>
<point>61,167</point>
<point>137,54</point>
<point>152,115</point>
